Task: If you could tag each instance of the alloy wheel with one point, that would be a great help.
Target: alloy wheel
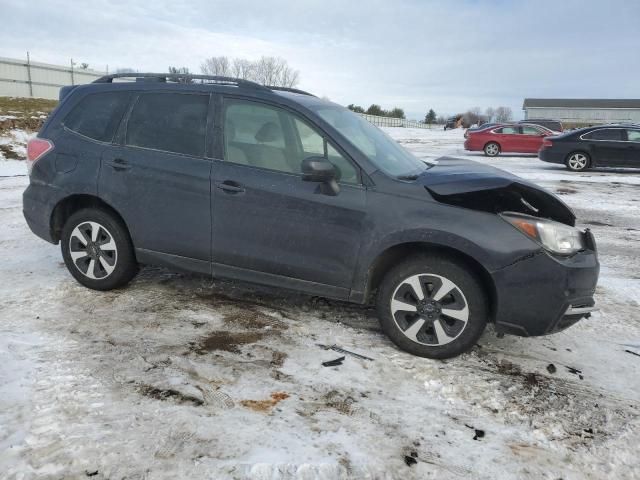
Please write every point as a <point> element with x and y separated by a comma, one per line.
<point>492,149</point>
<point>429,309</point>
<point>93,250</point>
<point>578,161</point>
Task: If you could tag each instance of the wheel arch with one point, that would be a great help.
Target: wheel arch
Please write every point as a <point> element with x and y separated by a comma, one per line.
<point>396,253</point>
<point>71,204</point>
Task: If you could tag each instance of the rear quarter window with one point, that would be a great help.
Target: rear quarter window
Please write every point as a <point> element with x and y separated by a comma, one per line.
<point>98,115</point>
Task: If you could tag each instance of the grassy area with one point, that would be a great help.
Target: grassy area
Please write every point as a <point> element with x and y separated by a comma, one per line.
<point>23,113</point>
<point>25,107</point>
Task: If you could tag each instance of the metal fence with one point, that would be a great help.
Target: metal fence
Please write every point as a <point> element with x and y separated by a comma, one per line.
<point>393,122</point>
<point>24,78</point>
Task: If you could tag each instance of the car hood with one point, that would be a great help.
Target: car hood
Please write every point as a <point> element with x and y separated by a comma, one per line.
<point>478,186</point>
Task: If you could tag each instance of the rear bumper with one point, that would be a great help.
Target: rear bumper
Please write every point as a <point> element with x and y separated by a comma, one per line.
<point>550,156</point>
<point>471,146</point>
<point>544,294</point>
<point>37,207</point>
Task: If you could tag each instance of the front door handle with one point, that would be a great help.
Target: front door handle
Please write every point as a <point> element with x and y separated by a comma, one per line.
<point>230,186</point>
<point>119,164</point>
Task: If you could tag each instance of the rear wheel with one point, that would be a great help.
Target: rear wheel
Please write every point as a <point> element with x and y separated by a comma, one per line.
<point>491,149</point>
<point>97,250</point>
<point>432,306</point>
<point>578,161</point>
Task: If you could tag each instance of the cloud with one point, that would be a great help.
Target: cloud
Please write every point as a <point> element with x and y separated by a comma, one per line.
<point>414,54</point>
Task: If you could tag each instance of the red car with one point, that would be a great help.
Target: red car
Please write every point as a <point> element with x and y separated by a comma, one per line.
<point>520,138</point>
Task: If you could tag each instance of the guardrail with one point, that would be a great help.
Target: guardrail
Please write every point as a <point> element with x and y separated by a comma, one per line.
<point>393,122</point>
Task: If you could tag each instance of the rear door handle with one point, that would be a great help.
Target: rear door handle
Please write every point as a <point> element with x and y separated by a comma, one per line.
<point>230,186</point>
<point>119,164</point>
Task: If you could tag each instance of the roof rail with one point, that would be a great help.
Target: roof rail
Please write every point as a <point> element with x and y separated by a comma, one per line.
<point>163,77</point>
<point>288,89</point>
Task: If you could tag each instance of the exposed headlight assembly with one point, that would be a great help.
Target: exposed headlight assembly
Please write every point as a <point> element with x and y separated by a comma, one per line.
<point>554,236</point>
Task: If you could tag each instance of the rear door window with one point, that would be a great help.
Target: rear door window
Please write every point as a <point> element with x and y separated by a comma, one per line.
<point>171,122</point>
<point>530,131</point>
<point>98,115</point>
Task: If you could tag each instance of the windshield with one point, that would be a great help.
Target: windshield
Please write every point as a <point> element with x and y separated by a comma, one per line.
<point>383,152</point>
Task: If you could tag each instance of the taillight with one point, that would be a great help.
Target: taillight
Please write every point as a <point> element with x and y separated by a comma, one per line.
<point>36,149</point>
<point>547,143</point>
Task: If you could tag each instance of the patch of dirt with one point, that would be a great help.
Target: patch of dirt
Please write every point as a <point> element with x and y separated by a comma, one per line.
<point>340,403</point>
<point>227,341</point>
<point>250,318</point>
<point>597,223</point>
<point>169,394</point>
<point>28,124</point>
<point>278,358</point>
<point>7,152</point>
<point>529,379</point>
<point>565,191</point>
<point>265,405</point>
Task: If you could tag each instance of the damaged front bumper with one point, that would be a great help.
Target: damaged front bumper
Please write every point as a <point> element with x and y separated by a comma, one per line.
<point>543,293</point>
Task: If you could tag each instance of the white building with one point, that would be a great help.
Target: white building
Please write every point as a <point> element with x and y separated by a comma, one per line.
<point>583,111</point>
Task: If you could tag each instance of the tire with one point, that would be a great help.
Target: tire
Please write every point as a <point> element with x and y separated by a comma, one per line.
<point>97,249</point>
<point>578,161</point>
<point>491,149</point>
<point>430,332</point>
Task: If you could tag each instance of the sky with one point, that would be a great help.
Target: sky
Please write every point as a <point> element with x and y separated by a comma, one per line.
<point>447,55</point>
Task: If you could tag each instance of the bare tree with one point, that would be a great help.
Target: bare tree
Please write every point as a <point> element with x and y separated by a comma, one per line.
<point>219,66</point>
<point>490,113</point>
<point>273,71</point>
<point>503,114</point>
<point>242,68</point>
<point>472,116</point>
<point>181,71</point>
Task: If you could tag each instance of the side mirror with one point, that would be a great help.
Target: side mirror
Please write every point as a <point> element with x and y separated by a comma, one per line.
<point>318,169</point>
<point>321,170</point>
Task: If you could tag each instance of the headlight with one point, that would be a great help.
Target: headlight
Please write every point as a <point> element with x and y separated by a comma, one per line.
<point>554,236</point>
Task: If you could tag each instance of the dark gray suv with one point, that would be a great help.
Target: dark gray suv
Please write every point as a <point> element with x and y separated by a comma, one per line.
<point>233,179</point>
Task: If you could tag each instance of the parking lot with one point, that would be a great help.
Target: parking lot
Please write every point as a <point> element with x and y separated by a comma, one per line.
<point>182,376</point>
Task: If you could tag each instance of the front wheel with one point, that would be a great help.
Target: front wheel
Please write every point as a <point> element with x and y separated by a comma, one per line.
<point>97,249</point>
<point>578,161</point>
<point>491,149</point>
<point>432,306</point>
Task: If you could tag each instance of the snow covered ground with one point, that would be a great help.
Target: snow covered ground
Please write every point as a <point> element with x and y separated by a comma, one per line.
<point>177,376</point>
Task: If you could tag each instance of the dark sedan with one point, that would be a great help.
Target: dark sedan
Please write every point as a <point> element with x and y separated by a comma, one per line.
<point>602,146</point>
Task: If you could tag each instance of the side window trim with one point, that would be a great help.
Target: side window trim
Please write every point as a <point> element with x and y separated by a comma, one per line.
<point>584,135</point>
<point>122,129</point>
<point>225,99</point>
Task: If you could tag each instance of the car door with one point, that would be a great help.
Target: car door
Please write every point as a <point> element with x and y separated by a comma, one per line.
<point>266,219</point>
<point>632,153</point>
<point>530,139</point>
<point>607,146</point>
<point>158,177</point>
<point>507,138</point>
